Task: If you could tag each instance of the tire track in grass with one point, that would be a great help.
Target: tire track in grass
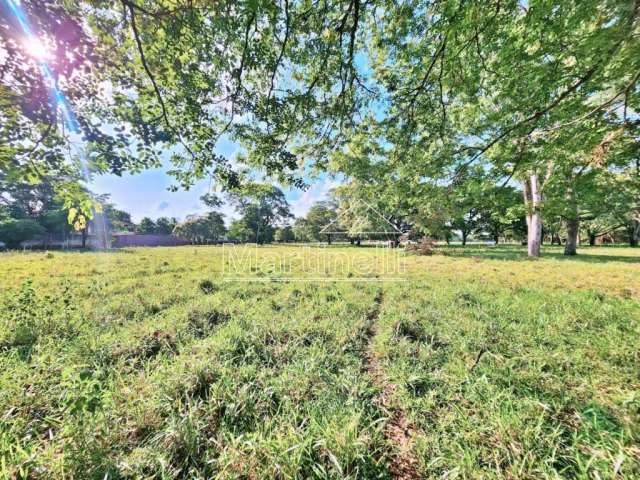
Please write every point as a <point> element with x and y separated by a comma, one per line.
<point>398,430</point>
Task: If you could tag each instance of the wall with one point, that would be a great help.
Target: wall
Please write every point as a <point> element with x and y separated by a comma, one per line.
<point>139,240</point>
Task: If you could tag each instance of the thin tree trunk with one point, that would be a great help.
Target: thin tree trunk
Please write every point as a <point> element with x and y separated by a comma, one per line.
<point>572,224</point>
<point>633,230</point>
<point>464,238</point>
<point>532,200</point>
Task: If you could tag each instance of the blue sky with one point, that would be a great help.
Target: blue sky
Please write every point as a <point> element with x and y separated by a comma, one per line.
<point>146,195</point>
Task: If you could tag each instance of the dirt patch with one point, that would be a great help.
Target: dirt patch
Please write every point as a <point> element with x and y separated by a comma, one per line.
<point>148,347</point>
<point>398,430</point>
<point>202,323</point>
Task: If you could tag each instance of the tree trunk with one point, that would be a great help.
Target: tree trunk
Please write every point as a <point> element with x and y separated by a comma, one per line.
<point>634,233</point>
<point>592,239</point>
<point>496,238</point>
<point>464,237</point>
<point>571,245</point>
<point>532,200</point>
<point>84,238</point>
<point>329,239</point>
<point>572,224</point>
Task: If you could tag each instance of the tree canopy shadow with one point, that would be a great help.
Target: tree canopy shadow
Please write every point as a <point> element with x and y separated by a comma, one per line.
<point>519,253</point>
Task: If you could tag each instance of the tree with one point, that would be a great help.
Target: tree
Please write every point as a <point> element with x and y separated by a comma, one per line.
<point>466,201</point>
<point>320,216</point>
<point>284,234</point>
<point>198,229</point>
<point>165,225</point>
<point>54,222</point>
<point>239,232</point>
<point>146,226</point>
<point>211,200</point>
<point>4,212</point>
<point>215,226</point>
<point>620,205</point>
<point>13,232</point>
<point>502,83</point>
<point>180,79</point>
<point>40,202</point>
<point>501,212</point>
<point>383,92</point>
<point>118,220</point>
<point>301,230</point>
<point>374,210</point>
<point>51,91</point>
<point>30,200</point>
<point>203,229</point>
<point>262,208</point>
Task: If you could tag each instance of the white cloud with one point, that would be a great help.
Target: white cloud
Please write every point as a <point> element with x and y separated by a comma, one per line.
<point>317,192</point>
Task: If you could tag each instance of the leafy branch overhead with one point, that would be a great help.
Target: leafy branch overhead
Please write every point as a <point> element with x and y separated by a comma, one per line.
<point>379,91</point>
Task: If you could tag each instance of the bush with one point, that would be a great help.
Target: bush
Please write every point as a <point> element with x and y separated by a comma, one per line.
<point>424,247</point>
<point>13,232</point>
<point>26,316</point>
<point>207,287</point>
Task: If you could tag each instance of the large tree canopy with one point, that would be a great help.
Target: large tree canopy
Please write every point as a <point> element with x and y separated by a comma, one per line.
<point>410,93</point>
<point>154,75</point>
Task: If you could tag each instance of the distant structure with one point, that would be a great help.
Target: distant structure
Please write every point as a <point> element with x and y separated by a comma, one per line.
<point>128,239</point>
<point>99,231</point>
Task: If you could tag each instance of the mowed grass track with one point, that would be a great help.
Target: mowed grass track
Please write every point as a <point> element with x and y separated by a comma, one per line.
<point>146,363</point>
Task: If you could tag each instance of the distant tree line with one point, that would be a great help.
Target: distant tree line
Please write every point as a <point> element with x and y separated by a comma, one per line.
<point>428,108</point>
<point>477,209</point>
<point>36,211</point>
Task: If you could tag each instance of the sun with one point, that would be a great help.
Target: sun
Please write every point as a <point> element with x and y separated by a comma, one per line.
<point>35,48</point>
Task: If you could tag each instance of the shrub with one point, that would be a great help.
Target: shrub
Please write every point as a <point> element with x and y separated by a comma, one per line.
<point>207,287</point>
<point>13,232</point>
<point>424,247</point>
<point>27,316</point>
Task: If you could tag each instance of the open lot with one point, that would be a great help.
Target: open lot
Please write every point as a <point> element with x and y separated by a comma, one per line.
<point>475,363</point>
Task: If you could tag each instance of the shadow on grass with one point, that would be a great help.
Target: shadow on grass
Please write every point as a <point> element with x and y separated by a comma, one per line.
<point>516,252</point>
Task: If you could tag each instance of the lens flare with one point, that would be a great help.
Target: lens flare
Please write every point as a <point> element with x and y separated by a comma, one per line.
<point>38,50</point>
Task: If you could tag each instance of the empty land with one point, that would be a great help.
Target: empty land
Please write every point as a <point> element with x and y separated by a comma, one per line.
<point>477,363</point>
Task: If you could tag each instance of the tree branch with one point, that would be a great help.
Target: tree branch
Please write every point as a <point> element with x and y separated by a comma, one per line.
<point>136,35</point>
<point>282,49</point>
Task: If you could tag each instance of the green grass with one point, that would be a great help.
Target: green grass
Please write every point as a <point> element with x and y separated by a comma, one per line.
<point>146,363</point>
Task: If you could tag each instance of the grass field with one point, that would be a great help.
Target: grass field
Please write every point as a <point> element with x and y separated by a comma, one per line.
<point>476,363</point>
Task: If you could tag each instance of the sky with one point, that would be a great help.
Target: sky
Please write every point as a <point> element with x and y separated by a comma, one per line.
<point>146,194</point>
